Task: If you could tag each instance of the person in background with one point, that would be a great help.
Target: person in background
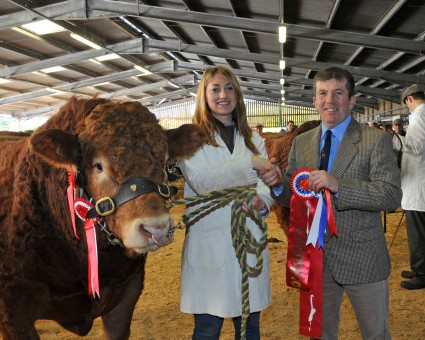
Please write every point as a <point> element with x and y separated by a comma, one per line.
<point>211,274</point>
<point>363,180</point>
<point>398,127</point>
<point>290,126</point>
<point>413,184</point>
<point>373,124</point>
<point>258,128</point>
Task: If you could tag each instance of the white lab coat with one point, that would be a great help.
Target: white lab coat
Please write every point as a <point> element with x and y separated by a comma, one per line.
<point>211,275</point>
<point>413,162</point>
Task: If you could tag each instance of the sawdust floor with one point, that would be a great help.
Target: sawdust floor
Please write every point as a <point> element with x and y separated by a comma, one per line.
<point>157,314</point>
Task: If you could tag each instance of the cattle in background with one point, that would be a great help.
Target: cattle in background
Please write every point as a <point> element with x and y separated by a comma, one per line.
<point>116,149</point>
<point>278,146</point>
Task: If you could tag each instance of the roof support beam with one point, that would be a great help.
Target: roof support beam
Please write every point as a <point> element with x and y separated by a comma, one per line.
<point>95,9</point>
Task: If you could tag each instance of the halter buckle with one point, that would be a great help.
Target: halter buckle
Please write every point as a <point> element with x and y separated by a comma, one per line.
<point>105,206</point>
<point>166,193</point>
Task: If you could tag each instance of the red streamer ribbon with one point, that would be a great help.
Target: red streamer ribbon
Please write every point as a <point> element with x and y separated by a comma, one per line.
<point>331,218</point>
<point>298,258</point>
<point>311,297</point>
<point>93,271</point>
<point>71,196</point>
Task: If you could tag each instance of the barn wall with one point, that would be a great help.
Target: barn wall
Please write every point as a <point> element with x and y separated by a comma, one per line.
<point>270,115</point>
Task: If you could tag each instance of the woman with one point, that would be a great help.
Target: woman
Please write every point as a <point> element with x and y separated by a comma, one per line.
<point>211,275</point>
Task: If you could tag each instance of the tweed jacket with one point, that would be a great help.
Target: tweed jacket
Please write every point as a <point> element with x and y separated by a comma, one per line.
<point>368,183</point>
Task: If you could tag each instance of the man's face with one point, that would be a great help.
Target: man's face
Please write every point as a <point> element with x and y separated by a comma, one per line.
<point>410,104</point>
<point>397,128</point>
<point>332,101</point>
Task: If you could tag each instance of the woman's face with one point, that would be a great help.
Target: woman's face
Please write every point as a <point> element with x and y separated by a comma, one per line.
<point>221,98</point>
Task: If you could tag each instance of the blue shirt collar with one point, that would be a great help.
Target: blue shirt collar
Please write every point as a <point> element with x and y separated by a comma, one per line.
<point>339,130</point>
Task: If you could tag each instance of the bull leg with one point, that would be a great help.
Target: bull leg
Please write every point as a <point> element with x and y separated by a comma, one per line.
<point>18,332</point>
<point>116,323</point>
<point>80,328</point>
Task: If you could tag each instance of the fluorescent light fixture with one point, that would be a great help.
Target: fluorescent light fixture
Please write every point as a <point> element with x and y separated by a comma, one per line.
<point>43,27</point>
<point>4,81</point>
<point>110,56</point>
<point>282,64</point>
<point>282,92</point>
<point>282,81</point>
<point>142,69</point>
<point>85,41</point>
<point>282,34</point>
<point>193,94</point>
<point>53,69</point>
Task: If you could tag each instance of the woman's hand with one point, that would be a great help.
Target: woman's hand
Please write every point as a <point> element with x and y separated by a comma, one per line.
<point>257,204</point>
<point>268,170</point>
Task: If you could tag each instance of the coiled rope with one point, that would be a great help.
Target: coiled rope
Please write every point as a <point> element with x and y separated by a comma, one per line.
<point>242,239</point>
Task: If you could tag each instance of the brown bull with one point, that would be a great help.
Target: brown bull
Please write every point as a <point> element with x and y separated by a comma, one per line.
<point>118,153</point>
<point>278,146</point>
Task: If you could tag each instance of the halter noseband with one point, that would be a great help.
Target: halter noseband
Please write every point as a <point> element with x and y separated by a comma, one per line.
<point>130,189</point>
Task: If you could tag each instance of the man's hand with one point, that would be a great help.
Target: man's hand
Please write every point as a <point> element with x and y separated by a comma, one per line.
<point>320,179</point>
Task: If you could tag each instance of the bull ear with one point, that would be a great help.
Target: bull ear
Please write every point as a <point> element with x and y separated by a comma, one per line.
<point>57,148</point>
<point>184,141</point>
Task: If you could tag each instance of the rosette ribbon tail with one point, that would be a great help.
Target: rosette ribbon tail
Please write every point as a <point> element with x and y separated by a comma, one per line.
<point>82,206</point>
<point>93,276</point>
<point>331,218</point>
<point>314,234</point>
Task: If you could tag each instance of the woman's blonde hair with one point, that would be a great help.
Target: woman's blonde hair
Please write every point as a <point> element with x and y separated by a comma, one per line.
<point>204,117</point>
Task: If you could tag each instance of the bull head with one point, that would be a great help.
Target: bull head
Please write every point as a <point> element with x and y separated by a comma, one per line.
<point>115,144</point>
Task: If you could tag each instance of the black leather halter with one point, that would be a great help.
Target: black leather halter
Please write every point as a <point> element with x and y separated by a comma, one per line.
<point>130,189</point>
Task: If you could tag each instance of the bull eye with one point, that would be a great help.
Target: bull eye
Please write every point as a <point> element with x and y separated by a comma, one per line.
<point>98,167</point>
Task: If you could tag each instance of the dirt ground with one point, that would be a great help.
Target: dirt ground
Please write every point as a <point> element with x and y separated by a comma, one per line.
<point>157,314</point>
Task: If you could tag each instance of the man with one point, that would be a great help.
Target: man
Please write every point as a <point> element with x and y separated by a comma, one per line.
<point>398,127</point>
<point>413,185</point>
<point>364,180</point>
<point>290,126</point>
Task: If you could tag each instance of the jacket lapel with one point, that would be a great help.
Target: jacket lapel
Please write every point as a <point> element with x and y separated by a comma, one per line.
<point>311,154</point>
<point>348,148</point>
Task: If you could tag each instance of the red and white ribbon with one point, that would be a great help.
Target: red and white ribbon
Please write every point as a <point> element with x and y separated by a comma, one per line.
<point>71,196</point>
<point>81,208</point>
